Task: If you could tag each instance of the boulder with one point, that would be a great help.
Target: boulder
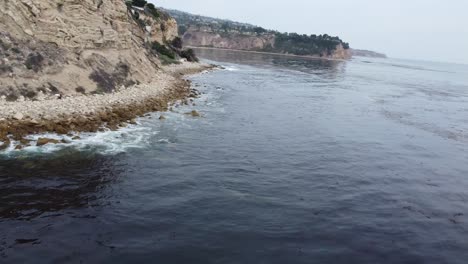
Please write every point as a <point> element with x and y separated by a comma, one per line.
<point>45,141</point>
<point>5,144</point>
<point>24,141</point>
<point>194,113</point>
<point>18,116</point>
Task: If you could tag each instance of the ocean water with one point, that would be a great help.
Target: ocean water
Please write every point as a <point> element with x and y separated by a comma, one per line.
<point>293,161</point>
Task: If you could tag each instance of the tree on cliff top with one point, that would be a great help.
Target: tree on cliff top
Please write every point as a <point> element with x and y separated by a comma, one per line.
<point>139,3</point>
<point>152,10</point>
<point>259,30</point>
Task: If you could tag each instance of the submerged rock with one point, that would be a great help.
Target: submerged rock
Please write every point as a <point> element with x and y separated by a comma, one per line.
<point>5,144</point>
<point>24,141</point>
<point>45,141</point>
<point>194,113</point>
<point>162,117</point>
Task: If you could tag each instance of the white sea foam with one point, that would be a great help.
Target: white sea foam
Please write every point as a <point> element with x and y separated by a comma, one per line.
<point>145,133</point>
<point>141,135</point>
<point>230,68</point>
<point>106,142</point>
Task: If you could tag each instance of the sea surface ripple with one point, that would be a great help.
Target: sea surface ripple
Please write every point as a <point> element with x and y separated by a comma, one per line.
<point>293,161</point>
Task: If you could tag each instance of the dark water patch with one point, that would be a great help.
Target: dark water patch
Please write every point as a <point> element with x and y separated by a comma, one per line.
<point>41,186</point>
<point>27,241</point>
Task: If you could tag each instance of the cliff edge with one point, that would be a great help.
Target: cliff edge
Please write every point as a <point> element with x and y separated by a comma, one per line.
<point>65,47</point>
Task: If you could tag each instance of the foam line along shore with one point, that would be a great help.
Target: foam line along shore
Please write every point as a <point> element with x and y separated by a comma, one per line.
<point>91,113</point>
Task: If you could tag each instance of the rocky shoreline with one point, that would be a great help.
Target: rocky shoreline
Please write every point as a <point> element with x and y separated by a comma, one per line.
<point>92,113</point>
<point>271,53</point>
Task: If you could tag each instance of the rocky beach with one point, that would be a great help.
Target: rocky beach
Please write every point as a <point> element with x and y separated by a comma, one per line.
<point>91,113</point>
<point>86,66</point>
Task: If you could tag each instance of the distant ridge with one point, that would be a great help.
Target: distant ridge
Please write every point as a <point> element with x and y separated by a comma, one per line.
<point>367,53</point>
<point>188,18</point>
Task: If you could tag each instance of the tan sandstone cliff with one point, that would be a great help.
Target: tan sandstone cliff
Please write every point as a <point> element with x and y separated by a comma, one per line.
<point>340,53</point>
<point>75,46</point>
<point>205,37</point>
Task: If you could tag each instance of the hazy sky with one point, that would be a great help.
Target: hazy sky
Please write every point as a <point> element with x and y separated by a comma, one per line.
<point>415,29</point>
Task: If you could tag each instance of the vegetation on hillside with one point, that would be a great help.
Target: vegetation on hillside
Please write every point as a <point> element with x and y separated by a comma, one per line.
<point>148,8</point>
<point>291,43</point>
<point>305,45</point>
<point>169,51</point>
<point>139,3</point>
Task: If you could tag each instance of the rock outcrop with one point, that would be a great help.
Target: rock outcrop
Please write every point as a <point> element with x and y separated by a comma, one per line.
<point>65,47</point>
<point>202,37</point>
<point>340,53</point>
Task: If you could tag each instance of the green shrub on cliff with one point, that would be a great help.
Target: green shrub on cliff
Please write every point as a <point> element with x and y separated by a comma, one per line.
<point>139,3</point>
<point>177,43</point>
<point>165,60</point>
<point>182,29</point>
<point>150,8</point>
<point>294,43</point>
<point>189,55</point>
<point>162,50</point>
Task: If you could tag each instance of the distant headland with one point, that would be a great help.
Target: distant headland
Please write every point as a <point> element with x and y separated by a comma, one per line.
<point>201,31</point>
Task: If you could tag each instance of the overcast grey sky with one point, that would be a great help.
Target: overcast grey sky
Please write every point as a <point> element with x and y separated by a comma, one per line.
<point>415,29</point>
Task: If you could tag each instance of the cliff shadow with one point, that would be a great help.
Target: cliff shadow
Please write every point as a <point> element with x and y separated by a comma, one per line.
<point>33,186</point>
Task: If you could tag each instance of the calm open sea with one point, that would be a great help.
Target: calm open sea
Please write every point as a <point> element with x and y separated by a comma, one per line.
<point>293,161</point>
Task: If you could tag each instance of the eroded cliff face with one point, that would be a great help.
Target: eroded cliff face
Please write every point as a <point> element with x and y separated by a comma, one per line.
<point>74,46</point>
<point>162,31</point>
<point>204,37</point>
<point>200,37</point>
<point>340,53</point>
